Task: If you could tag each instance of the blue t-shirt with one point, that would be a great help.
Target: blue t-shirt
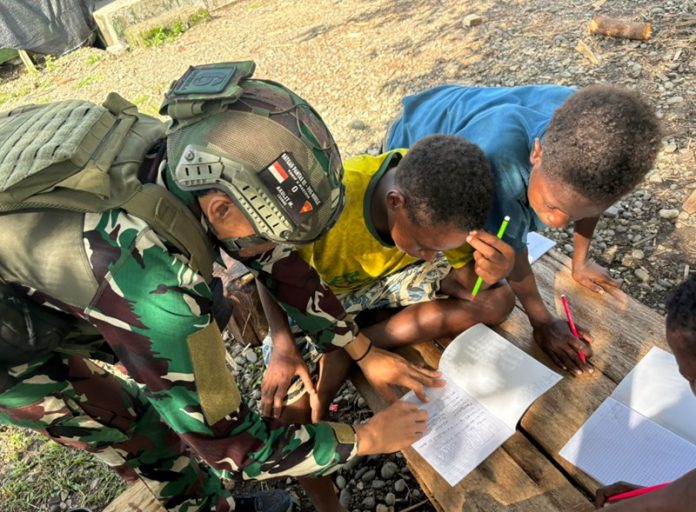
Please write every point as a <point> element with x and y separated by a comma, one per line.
<point>503,122</point>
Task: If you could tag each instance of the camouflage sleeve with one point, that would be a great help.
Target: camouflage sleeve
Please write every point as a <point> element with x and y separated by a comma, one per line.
<point>309,301</point>
<point>151,307</point>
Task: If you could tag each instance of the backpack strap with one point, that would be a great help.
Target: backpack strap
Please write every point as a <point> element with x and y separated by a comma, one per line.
<point>172,219</point>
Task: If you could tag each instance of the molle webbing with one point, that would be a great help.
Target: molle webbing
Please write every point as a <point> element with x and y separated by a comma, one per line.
<point>78,156</point>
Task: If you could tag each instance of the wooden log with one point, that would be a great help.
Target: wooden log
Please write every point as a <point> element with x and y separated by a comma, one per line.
<point>138,498</point>
<point>619,28</point>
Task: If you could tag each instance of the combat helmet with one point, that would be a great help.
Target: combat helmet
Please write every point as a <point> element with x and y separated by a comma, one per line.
<point>261,144</point>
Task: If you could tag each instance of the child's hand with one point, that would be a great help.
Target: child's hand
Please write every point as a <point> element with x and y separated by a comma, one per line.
<point>493,258</point>
<point>562,347</point>
<point>604,493</point>
<point>594,277</point>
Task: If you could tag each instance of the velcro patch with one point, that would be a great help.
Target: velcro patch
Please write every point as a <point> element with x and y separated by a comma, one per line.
<point>204,80</point>
<point>287,182</point>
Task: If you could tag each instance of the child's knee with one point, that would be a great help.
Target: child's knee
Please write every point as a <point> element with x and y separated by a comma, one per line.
<point>500,301</point>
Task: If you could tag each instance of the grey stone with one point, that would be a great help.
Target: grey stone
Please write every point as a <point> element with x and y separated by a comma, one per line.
<point>241,361</point>
<point>361,403</point>
<point>357,124</point>
<point>251,356</point>
<point>637,254</point>
<point>674,99</point>
<point>683,216</point>
<point>382,508</point>
<point>642,274</point>
<point>472,20</point>
<point>378,484</point>
<point>369,476</point>
<point>400,485</point>
<point>668,214</point>
<point>368,502</point>
<point>388,470</point>
<point>340,482</point>
<point>345,498</point>
<point>568,248</point>
<point>611,212</point>
<point>635,70</point>
<point>390,498</point>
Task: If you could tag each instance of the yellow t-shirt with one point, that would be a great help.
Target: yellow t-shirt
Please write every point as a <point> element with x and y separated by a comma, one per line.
<point>351,254</point>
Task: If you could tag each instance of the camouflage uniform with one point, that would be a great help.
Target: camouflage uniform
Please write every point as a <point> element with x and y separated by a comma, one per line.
<point>151,309</point>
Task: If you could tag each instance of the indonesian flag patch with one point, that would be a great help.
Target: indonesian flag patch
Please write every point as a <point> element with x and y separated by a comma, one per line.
<point>288,184</point>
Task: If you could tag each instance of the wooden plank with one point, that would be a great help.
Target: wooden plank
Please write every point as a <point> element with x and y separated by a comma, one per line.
<point>624,330</point>
<point>138,498</point>
<point>516,477</point>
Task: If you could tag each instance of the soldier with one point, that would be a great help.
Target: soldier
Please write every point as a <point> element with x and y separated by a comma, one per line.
<point>110,229</point>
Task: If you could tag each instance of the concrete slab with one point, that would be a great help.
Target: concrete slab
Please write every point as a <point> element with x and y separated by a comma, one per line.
<point>115,17</point>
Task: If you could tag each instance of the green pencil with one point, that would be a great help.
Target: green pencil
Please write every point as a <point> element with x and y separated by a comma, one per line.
<point>479,281</point>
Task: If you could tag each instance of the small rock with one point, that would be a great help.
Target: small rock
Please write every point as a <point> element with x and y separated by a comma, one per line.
<point>340,482</point>
<point>472,20</point>
<point>635,70</point>
<point>400,485</point>
<point>683,216</point>
<point>668,214</point>
<point>568,248</point>
<point>357,124</point>
<point>611,212</point>
<point>416,493</point>
<point>638,254</point>
<point>361,403</point>
<point>368,502</point>
<point>674,99</point>
<point>390,498</point>
<point>388,470</point>
<point>670,147</point>
<point>251,356</point>
<point>642,274</point>
<point>345,498</point>
<point>378,484</point>
<point>369,476</point>
<point>382,508</point>
<point>665,283</point>
<point>241,361</point>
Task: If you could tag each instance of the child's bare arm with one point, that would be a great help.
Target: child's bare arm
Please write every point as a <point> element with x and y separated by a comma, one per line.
<point>679,496</point>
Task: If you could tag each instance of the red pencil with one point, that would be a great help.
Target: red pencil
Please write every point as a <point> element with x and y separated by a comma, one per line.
<point>636,492</point>
<point>573,329</point>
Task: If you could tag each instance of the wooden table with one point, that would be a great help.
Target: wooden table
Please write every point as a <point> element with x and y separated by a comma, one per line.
<point>526,473</point>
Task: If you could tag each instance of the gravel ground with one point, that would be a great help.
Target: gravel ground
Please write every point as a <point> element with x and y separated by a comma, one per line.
<point>354,60</point>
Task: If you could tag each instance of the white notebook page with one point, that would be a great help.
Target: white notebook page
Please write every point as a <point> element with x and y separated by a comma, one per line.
<point>617,443</point>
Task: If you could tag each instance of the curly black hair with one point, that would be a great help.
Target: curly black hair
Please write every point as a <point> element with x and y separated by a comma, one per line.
<point>446,181</point>
<point>602,141</point>
<point>681,309</point>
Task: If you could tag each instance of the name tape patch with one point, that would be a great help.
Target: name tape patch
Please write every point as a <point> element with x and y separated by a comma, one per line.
<point>286,181</point>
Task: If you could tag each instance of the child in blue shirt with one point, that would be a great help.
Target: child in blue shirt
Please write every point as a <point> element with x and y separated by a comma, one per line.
<point>558,156</point>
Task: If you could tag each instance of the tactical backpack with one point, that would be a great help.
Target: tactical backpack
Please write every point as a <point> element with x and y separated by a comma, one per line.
<point>79,156</point>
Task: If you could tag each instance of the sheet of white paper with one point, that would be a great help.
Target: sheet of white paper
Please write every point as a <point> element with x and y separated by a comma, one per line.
<point>498,374</point>
<point>655,389</point>
<point>617,443</point>
<point>461,432</point>
<point>537,246</point>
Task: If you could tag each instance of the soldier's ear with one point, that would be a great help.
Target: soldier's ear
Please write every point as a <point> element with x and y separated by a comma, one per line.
<point>217,207</point>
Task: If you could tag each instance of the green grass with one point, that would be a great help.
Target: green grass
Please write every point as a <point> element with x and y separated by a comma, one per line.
<point>159,36</point>
<point>92,59</point>
<point>89,79</point>
<point>34,472</point>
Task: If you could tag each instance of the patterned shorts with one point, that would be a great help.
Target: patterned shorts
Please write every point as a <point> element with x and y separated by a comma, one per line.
<point>416,283</point>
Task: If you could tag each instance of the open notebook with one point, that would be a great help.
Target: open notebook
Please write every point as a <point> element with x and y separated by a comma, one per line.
<point>644,432</point>
<point>490,383</point>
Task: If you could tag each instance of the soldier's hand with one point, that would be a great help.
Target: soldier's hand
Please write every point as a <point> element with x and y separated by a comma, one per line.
<point>384,369</point>
<point>286,362</point>
<point>393,429</point>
